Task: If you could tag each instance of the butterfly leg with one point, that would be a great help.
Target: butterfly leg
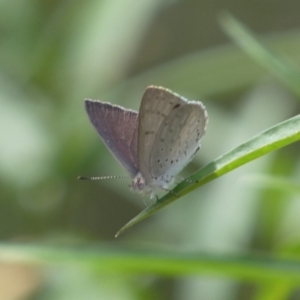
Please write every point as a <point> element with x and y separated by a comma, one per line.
<point>151,199</point>
<point>170,191</point>
<point>190,180</point>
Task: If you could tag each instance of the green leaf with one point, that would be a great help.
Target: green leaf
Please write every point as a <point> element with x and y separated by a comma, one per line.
<point>278,183</point>
<point>270,140</point>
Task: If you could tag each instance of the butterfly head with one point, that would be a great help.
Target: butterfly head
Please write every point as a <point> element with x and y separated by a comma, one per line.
<point>138,184</point>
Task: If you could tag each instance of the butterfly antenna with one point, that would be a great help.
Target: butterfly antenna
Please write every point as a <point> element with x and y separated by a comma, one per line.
<point>102,178</point>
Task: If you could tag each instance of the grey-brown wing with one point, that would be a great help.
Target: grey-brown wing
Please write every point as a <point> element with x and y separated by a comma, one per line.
<point>157,103</point>
<point>178,140</point>
<point>117,128</point>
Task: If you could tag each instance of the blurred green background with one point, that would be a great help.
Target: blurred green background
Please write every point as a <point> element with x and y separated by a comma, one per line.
<point>53,54</point>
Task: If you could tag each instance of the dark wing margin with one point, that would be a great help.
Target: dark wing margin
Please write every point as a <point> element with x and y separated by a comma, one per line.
<point>117,128</point>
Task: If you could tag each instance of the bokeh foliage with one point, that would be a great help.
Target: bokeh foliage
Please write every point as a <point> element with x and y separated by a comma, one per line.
<point>236,237</point>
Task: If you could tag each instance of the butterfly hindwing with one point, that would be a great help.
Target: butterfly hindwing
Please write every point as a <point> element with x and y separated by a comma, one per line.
<point>177,140</point>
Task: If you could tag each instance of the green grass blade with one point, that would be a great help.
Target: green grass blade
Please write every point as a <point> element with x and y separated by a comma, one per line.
<point>277,65</point>
<point>165,263</point>
<point>270,140</point>
<point>275,290</point>
<point>212,73</point>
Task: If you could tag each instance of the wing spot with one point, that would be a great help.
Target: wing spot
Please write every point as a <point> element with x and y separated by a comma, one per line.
<point>158,160</point>
<point>159,113</point>
<point>167,159</point>
<point>172,161</point>
<point>162,140</point>
<point>176,106</point>
<point>149,132</point>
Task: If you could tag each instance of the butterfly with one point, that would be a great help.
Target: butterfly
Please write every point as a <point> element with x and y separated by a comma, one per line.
<point>157,142</point>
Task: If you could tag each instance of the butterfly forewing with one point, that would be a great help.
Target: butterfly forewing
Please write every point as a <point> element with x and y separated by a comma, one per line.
<point>157,103</point>
<point>117,127</point>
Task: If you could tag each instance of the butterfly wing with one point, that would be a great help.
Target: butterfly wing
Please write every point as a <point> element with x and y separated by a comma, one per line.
<point>157,103</point>
<point>177,140</point>
<point>117,128</point>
